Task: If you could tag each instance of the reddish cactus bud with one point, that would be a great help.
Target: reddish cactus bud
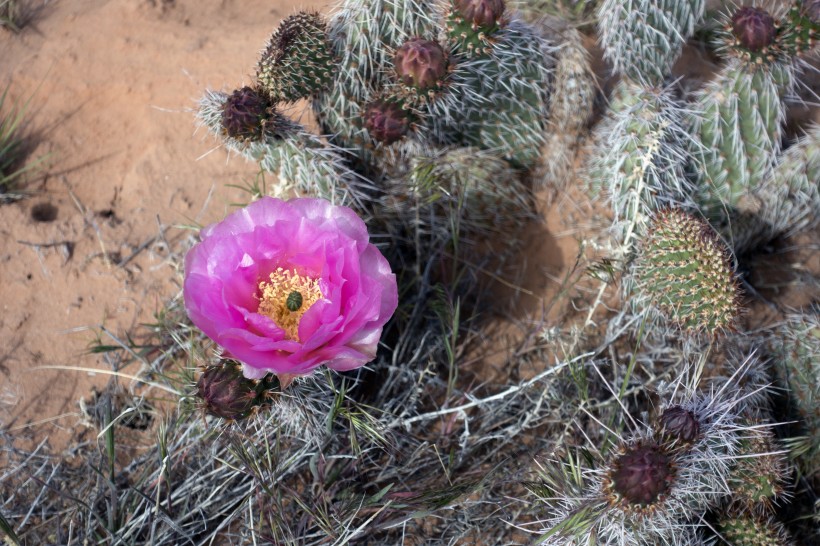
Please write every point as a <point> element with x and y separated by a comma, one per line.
<point>642,474</point>
<point>680,424</point>
<point>227,393</point>
<point>753,28</point>
<point>386,121</point>
<point>483,13</point>
<point>421,63</point>
<point>245,113</point>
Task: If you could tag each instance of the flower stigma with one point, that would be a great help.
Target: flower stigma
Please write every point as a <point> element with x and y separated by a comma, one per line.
<point>286,298</point>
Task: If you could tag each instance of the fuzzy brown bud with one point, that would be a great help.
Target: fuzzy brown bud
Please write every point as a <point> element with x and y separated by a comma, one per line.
<point>680,424</point>
<point>421,63</point>
<point>227,393</point>
<point>386,121</point>
<point>483,13</point>
<point>244,114</point>
<point>642,474</point>
<point>753,28</point>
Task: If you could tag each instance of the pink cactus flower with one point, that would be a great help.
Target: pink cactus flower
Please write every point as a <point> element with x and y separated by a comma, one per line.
<point>286,286</point>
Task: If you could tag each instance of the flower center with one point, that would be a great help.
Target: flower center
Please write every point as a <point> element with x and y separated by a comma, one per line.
<point>286,298</point>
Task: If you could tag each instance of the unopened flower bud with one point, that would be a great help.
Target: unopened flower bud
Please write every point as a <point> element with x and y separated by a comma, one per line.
<point>386,121</point>
<point>227,393</point>
<point>680,424</point>
<point>483,13</point>
<point>421,63</point>
<point>753,28</point>
<point>245,113</point>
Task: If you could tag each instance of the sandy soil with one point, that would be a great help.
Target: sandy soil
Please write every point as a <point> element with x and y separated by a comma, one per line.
<point>113,86</point>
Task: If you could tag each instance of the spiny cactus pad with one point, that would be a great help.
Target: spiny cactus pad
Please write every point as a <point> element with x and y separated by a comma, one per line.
<point>643,38</point>
<point>796,348</point>
<point>298,61</point>
<point>746,530</point>
<point>684,270</point>
<point>471,24</point>
<point>640,475</point>
<point>638,158</point>
<point>760,471</point>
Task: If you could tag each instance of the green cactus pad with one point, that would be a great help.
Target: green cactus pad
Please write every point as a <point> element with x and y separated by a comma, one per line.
<point>297,61</point>
<point>571,105</point>
<point>643,38</point>
<point>745,530</point>
<point>740,114</point>
<point>684,270</point>
<point>499,102</point>
<point>471,25</point>
<point>760,471</point>
<point>800,30</point>
<point>796,348</point>
<point>638,158</point>
<point>485,185</point>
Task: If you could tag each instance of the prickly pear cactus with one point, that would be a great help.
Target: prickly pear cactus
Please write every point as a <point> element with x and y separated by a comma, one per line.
<point>471,24</point>
<point>684,271</point>
<point>498,101</point>
<point>739,117</point>
<point>759,475</point>
<point>643,38</point>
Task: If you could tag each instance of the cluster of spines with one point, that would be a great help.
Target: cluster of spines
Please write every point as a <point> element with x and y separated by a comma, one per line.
<point>297,62</point>
<point>684,270</point>
<point>643,38</point>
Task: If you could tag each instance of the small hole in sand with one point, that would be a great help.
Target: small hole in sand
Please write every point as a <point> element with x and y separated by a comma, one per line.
<point>44,212</point>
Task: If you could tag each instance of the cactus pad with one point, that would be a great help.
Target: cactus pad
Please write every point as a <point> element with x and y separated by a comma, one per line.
<point>297,61</point>
<point>685,271</point>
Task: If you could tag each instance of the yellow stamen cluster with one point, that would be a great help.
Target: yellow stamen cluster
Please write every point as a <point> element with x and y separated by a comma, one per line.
<point>273,299</point>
